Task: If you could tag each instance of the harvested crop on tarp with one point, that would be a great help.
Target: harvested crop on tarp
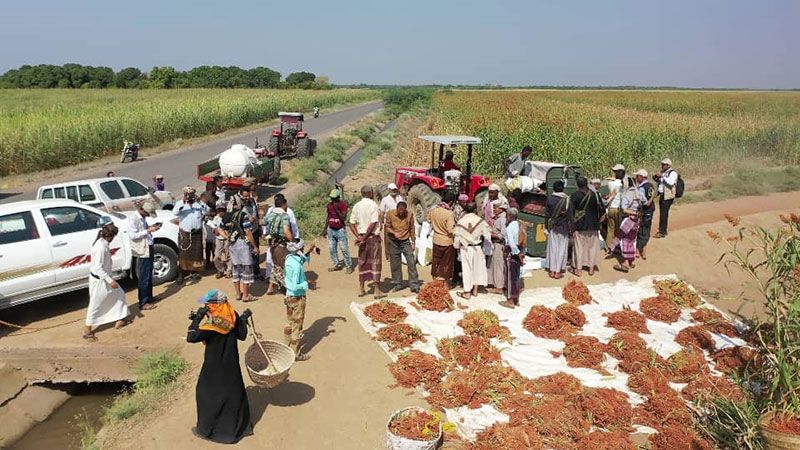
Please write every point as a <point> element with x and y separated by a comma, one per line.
<point>584,351</point>
<point>400,335</point>
<point>604,440</point>
<point>415,425</point>
<point>628,320</point>
<point>434,296</point>
<point>679,292</point>
<point>415,368</point>
<point>571,314</point>
<point>649,381</point>
<point>785,423</point>
<point>660,308</point>
<point>733,360</point>
<point>678,437</point>
<point>559,420</point>
<point>544,322</point>
<point>467,351</point>
<point>697,336</point>
<point>385,311</point>
<point>635,362</point>
<point>484,323</point>
<point>687,364</point>
<point>507,437</point>
<point>707,387</point>
<point>609,408</point>
<point>625,343</point>
<point>480,384</point>
<point>576,293</point>
<point>641,416</point>
<point>669,408</point>
<point>715,322</point>
<point>559,383</point>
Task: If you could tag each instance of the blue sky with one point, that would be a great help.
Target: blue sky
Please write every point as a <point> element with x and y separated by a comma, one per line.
<point>701,43</point>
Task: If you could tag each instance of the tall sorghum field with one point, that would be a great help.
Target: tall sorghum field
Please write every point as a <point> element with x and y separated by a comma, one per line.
<point>701,131</point>
<point>49,128</point>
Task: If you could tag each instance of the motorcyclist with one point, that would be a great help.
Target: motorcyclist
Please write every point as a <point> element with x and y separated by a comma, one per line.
<point>316,111</point>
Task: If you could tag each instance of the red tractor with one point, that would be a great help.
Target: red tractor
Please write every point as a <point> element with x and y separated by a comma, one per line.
<point>290,140</point>
<point>425,187</point>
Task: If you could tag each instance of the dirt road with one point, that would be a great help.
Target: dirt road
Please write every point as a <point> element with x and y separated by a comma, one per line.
<point>341,397</point>
<point>179,166</point>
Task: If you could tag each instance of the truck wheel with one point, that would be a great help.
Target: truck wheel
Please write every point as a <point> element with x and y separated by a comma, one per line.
<point>165,264</point>
<point>276,172</point>
<point>480,197</point>
<point>421,199</point>
<point>272,145</point>
<point>303,148</point>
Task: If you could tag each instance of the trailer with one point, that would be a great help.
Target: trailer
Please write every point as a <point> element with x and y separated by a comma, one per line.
<point>261,166</point>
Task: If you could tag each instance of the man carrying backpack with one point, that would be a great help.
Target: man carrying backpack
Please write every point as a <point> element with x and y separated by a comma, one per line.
<point>670,187</point>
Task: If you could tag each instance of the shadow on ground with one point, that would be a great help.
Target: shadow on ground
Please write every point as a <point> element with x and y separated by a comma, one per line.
<point>288,393</point>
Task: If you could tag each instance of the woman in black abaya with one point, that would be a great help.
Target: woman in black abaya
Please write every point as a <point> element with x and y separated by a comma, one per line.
<point>223,413</point>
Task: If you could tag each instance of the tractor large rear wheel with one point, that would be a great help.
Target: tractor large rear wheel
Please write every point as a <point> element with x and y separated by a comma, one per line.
<point>421,199</point>
<point>304,148</point>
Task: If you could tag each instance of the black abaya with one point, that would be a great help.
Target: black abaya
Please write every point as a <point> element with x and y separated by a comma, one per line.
<point>223,413</point>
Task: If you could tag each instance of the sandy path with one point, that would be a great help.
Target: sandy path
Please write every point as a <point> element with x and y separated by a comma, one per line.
<point>340,398</point>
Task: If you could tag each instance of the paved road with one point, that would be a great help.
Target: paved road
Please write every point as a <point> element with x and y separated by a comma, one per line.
<point>179,166</point>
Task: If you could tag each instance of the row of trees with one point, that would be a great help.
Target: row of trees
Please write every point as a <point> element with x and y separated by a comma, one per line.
<point>165,77</point>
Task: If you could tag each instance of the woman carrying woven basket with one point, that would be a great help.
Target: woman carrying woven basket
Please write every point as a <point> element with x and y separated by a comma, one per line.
<point>223,413</point>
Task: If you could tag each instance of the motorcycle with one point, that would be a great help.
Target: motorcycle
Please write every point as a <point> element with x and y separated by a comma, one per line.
<point>130,151</point>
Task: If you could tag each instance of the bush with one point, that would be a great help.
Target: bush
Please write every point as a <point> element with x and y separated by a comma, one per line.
<point>159,369</point>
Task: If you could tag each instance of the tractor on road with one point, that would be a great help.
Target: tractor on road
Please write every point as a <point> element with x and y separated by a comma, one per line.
<point>425,187</point>
<point>290,140</point>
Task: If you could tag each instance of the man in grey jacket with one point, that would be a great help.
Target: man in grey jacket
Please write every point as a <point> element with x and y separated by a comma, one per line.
<point>141,236</point>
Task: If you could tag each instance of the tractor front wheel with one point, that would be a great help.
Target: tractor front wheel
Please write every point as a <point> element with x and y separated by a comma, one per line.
<point>304,148</point>
<point>421,199</point>
<point>272,145</point>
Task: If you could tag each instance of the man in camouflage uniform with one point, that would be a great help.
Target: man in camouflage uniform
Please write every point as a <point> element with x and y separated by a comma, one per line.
<point>295,301</point>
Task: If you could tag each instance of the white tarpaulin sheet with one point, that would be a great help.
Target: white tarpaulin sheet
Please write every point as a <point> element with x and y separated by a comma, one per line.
<point>530,354</point>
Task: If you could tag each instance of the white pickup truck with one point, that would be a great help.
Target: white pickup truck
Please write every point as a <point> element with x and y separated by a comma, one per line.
<point>45,248</point>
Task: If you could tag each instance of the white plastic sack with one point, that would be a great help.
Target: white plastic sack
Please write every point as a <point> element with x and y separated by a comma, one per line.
<point>526,184</point>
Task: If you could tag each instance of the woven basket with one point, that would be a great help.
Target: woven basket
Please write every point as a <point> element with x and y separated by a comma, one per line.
<point>394,442</point>
<point>282,358</point>
<point>774,440</point>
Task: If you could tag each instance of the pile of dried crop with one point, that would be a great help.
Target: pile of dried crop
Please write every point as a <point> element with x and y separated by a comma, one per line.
<point>571,314</point>
<point>785,423</point>
<point>484,323</point>
<point>559,383</point>
<point>697,336</point>
<point>687,364</point>
<point>415,425</point>
<point>660,308</point>
<point>715,322</point>
<point>544,322</point>
<point>467,351</point>
<point>628,320</point>
<point>604,440</point>
<point>434,296</point>
<point>679,292</point>
<point>733,360</point>
<point>507,437</point>
<point>576,293</point>
<point>584,351</point>
<point>489,383</point>
<point>400,335</point>
<point>385,311</point>
<point>609,408</point>
<point>678,437</point>
<point>669,408</point>
<point>415,368</point>
<point>649,381</point>
<point>707,387</point>
<point>559,420</point>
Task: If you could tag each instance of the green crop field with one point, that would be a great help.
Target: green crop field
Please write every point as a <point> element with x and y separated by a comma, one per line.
<point>45,129</point>
<point>703,132</point>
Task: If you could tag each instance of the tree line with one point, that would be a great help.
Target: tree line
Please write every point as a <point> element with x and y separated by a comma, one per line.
<point>46,76</point>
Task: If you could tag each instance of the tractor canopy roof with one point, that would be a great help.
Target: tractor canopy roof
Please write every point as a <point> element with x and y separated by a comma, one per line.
<point>452,140</point>
<point>292,116</point>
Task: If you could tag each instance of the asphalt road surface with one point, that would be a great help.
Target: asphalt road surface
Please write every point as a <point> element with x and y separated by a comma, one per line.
<point>179,166</point>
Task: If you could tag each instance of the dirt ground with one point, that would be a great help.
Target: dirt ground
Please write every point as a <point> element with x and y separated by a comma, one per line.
<point>341,398</point>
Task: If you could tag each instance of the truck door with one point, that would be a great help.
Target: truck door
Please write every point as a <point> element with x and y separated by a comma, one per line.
<point>26,262</point>
<point>115,195</point>
<point>73,230</point>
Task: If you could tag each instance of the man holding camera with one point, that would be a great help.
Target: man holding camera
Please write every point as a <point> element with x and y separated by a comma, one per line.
<point>667,184</point>
<point>190,212</point>
<point>141,236</point>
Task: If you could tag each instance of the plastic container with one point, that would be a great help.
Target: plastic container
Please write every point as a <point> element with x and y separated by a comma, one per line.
<point>394,442</point>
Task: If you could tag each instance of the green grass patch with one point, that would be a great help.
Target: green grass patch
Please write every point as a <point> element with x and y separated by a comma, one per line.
<point>749,181</point>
